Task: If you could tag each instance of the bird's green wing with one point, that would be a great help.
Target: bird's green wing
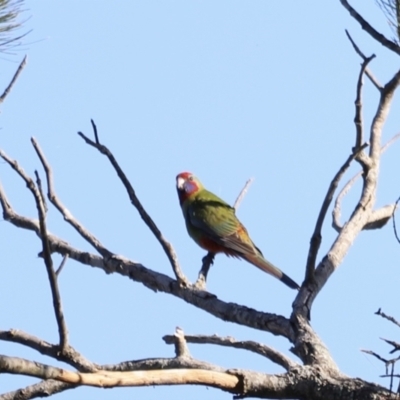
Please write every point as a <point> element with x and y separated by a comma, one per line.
<point>216,220</point>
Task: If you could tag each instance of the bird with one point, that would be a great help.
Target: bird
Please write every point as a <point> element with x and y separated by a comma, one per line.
<point>213,225</point>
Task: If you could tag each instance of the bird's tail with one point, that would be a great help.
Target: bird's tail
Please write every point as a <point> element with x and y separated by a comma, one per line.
<point>260,262</point>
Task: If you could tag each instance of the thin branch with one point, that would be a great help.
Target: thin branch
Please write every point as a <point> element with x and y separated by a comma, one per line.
<point>68,217</point>
<point>181,348</point>
<point>358,104</point>
<point>316,237</point>
<point>371,77</point>
<point>371,30</point>
<point>242,315</point>
<point>63,262</point>
<point>376,355</point>
<point>62,328</point>
<point>394,220</point>
<point>336,213</point>
<point>391,10</point>
<point>42,389</point>
<point>69,355</point>
<point>168,249</point>
<point>208,259</point>
<point>228,341</point>
<point>13,80</point>
<point>396,345</point>
<point>242,193</point>
<point>388,317</point>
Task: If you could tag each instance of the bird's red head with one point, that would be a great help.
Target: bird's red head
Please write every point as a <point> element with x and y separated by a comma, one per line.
<point>186,185</point>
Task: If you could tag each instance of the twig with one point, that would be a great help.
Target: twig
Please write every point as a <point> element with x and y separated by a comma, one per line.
<point>336,213</point>
<point>228,341</point>
<point>62,329</point>
<point>51,194</point>
<point>371,77</point>
<point>368,28</point>
<point>376,355</point>
<point>396,345</point>
<point>69,356</point>
<point>208,259</point>
<point>388,317</point>
<point>227,311</point>
<point>316,237</point>
<point>168,249</point>
<point>39,185</point>
<point>64,260</point>
<point>394,220</point>
<point>13,80</point>
<point>358,104</point>
<point>181,348</point>
<point>242,193</point>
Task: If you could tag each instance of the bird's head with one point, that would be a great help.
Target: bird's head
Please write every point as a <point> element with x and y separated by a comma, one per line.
<point>186,185</point>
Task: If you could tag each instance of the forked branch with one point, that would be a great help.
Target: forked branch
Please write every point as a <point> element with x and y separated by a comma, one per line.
<point>166,245</point>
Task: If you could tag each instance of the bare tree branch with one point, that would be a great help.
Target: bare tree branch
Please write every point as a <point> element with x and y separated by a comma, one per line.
<point>242,193</point>
<point>62,328</point>
<point>228,341</point>
<point>391,10</point>
<point>370,29</point>
<point>379,218</point>
<point>42,389</point>
<point>358,114</point>
<point>168,249</point>
<point>13,80</point>
<point>388,317</point>
<point>396,345</point>
<point>336,213</point>
<point>316,237</point>
<point>156,281</point>
<point>63,262</point>
<point>108,379</point>
<point>68,217</point>
<point>394,220</point>
<point>69,355</point>
<point>181,348</point>
<point>371,77</point>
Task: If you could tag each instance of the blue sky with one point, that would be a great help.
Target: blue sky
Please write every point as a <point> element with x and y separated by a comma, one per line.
<point>228,90</point>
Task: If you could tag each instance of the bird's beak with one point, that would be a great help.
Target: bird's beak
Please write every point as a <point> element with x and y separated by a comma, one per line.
<point>180,183</point>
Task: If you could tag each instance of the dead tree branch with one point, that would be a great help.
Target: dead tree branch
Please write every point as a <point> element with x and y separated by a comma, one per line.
<point>370,29</point>
<point>168,249</point>
<point>13,80</point>
<point>69,355</point>
<point>255,347</point>
<point>316,237</point>
<point>62,328</point>
<point>371,77</point>
<point>336,213</point>
<point>156,281</point>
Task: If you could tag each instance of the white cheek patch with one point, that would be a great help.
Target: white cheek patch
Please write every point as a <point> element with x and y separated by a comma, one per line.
<point>180,183</point>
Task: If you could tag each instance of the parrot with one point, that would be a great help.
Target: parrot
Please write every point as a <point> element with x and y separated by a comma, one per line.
<point>213,225</point>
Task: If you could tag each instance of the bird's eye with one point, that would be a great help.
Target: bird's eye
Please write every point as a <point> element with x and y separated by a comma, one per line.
<point>190,178</point>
